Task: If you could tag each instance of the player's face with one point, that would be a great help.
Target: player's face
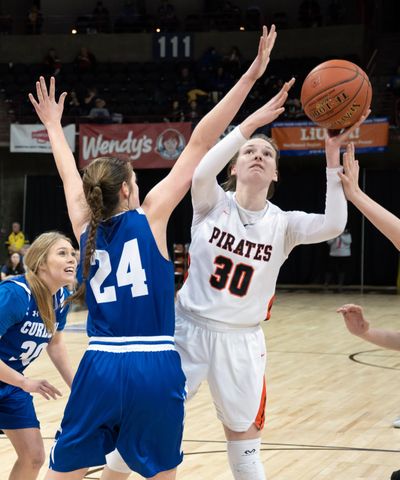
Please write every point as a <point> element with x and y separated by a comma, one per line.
<point>60,266</point>
<point>133,201</point>
<point>256,163</point>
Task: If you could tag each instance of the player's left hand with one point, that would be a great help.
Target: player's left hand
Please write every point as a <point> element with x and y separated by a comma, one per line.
<point>267,41</point>
<point>349,176</point>
<point>47,108</point>
<point>337,138</point>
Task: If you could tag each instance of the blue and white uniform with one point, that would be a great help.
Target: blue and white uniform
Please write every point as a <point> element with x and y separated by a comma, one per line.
<point>23,336</point>
<point>129,390</point>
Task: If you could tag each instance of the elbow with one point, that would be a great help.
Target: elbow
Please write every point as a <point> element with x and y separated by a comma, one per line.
<point>335,229</point>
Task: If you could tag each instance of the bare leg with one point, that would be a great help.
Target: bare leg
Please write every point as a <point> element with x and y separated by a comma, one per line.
<point>252,432</point>
<point>109,474</point>
<point>29,446</point>
<point>167,475</point>
<point>75,475</point>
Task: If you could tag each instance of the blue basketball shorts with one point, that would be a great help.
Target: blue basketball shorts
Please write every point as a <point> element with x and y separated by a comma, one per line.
<point>127,394</point>
<point>16,409</point>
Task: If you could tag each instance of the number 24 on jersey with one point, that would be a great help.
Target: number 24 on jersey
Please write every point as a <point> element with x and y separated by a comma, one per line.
<point>129,272</point>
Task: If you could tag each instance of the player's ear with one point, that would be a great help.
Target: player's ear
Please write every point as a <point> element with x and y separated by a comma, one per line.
<point>125,189</point>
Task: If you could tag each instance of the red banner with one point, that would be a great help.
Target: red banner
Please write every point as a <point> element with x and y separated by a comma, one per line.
<point>305,138</point>
<point>146,145</point>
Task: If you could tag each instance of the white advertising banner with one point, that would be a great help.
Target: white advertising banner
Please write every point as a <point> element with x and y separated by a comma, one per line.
<point>34,138</point>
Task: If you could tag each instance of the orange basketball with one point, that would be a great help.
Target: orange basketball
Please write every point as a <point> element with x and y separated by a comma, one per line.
<point>336,94</point>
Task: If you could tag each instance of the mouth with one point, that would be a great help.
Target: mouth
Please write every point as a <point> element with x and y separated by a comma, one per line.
<point>69,270</point>
<point>257,166</point>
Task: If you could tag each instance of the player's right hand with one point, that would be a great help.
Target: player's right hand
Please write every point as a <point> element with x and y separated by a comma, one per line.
<point>354,319</point>
<point>40,386</point>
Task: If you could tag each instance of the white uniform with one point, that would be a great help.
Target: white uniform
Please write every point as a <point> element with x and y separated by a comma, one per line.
<point>235,257</point>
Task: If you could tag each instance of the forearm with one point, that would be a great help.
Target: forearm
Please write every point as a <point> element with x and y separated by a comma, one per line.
<point>335,217</point>
<point>383,220</point>
<point>63,156</point>
<point>383,338</point>
<point>332,155</point>
<point>320,228</point>
<point>10,376</point>
<point>213,125</point>
<point>59,356</point>
<point>216,159</point>
<point>205,189</point>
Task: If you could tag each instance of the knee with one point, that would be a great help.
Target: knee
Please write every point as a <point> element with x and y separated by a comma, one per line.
<point>34,459</point>
<point>244,459</point>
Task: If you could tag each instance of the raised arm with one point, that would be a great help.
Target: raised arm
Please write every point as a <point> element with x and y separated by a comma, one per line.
<point>205,189</point>
<point>384,221</point>
<point>353,316</point>
<point>314,228</point>
<point>164,197</point>
<point>50,112</point>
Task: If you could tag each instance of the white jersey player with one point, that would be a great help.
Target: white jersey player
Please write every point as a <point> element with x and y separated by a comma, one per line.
<point>239,242</point>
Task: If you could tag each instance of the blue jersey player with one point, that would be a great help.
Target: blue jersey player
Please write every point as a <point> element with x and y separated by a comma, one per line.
<point>33,315</point>
<point>129,390</point>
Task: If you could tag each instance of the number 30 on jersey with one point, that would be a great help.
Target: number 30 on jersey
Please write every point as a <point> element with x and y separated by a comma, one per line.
<point>129,272</point>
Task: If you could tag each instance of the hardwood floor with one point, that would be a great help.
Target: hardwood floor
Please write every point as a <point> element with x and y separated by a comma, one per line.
<point>328,416</point>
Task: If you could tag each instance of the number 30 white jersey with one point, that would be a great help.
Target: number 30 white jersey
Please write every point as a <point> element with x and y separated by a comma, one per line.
<point>233,267</point>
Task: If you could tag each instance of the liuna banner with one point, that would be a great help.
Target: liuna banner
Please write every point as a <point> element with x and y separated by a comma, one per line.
<point>145,145</point>
<point>34,138</point>
<point>307,138</point>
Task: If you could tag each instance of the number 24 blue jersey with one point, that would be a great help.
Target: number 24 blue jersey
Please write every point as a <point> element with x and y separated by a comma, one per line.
<point>130,289</point>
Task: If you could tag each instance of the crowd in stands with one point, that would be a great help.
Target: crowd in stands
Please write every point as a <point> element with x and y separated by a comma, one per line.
<point>160,91</point>
<point>137,16</point>
<point>11,262</point>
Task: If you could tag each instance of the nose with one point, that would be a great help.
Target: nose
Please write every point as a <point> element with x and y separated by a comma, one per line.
<point>72,259</point>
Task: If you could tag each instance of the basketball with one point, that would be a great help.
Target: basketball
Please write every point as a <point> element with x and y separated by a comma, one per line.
<point>335,94</point>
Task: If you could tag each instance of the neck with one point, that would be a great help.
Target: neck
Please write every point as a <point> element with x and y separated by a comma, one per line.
<point>251,199</point>
<point>49,284</point>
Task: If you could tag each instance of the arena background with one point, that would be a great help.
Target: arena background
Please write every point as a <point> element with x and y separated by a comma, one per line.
<point>30,191</point>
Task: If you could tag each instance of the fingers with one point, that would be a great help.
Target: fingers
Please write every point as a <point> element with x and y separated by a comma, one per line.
<point>282,95</point>
<point>39,92</point>
<point>271,37</point>
<point>354,127</point>
<point>47,390</point>
<point>349,308</point>
<point>62,99</point>
<point>43,87</point>
<point>52,92</point>
<point>33,101</point>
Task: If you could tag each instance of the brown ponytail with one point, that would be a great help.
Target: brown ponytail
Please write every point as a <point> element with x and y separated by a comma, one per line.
<point>102,181</point>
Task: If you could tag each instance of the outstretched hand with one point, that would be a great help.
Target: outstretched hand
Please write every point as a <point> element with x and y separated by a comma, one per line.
<point>354,319</point>
<point>349,176</point>
<point>265,46</point>
<point>47,108</point>
<point>337,138</point>
<point>268,112</point>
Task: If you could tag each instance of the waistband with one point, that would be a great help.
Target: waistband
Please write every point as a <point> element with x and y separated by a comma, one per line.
<point>213,325</point>
<point>159,343</point>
